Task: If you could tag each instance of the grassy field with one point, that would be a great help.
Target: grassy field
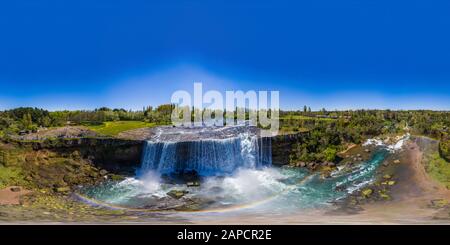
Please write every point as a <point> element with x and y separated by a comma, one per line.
<point>114,128</point>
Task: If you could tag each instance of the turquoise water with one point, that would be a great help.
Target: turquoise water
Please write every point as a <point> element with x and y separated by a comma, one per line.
<point>269,188</point>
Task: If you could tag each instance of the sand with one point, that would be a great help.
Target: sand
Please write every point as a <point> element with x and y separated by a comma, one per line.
<point>11,195</point>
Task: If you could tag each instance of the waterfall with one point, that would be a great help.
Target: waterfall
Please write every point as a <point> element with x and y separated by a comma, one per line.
<point>207,157</point>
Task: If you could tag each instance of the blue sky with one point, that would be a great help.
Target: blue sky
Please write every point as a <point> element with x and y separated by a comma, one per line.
<point>323,53</point>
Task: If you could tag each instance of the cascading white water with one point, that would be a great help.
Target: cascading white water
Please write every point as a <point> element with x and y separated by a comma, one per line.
<point>207,157</point>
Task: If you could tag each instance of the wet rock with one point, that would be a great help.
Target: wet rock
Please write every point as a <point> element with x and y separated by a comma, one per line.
<point>103,172</point>
<point>325,175</point>
<point>193,184</point>
<point>177,194</point>
<point>396,161</point>
<point>189,176</point>
<point>367,150</point>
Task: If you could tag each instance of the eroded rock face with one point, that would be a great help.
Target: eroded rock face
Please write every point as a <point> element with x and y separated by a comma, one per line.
<point>111,154</point>
<point>282,146</point>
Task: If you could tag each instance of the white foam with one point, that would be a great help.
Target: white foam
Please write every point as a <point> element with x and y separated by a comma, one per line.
<point>397,146</point>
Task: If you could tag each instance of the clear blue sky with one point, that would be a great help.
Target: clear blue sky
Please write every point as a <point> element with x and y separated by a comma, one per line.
<point>333,54</point>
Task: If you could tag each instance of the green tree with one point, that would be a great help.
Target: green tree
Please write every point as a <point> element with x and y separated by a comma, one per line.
<point>27,122</point>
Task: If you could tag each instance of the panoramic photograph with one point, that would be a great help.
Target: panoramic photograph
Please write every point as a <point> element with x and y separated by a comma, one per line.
<point>225,113</point>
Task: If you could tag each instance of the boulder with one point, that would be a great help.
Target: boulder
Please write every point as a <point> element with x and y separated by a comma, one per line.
<point>367,192</point>
<point>15,189</point>
<point>193,184</point>
<point>391,183</point>
<point>387,176</point>
<point>439,203</point>
<point>177,194</point>
<point>325,175</point>
<point>384,195</point>
<point>62,189</point>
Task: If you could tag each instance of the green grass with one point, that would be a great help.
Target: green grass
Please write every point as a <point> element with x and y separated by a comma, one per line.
<point>9,176</point>
<point>439,169</point>
<point>114,128</point>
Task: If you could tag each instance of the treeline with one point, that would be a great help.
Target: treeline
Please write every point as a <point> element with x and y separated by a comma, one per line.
<point>30,119</point>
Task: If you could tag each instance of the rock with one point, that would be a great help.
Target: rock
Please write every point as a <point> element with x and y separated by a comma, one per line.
<point>439,203</point>
<point>15,189</point>
<point>384,195</point>
<point>331,164</point>
<point>76,155</point>
<point>312,165</point>
<point>177,194</point>
<point>115,177</point>
<point>367,193</point>
<point>302,164</point>
<point>358,155</point>
<point>385,163</point>
<point>193,184</point>
<point>62,189</point>
<point>189,176</point>
<point>391,183</point>
<point>367,150</point>
<point>396,161</point>
<point>387,176</point>
<point>325,175</point>
<point>103,172</point>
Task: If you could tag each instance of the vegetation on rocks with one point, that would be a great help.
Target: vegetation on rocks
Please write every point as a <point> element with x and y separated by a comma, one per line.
<point>444,148</point>
<point>45,170</point>
<point>438,168</point>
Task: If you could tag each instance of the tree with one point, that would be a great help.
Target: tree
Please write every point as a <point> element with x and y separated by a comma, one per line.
<point>330,154</point>
<point>27,122</point>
